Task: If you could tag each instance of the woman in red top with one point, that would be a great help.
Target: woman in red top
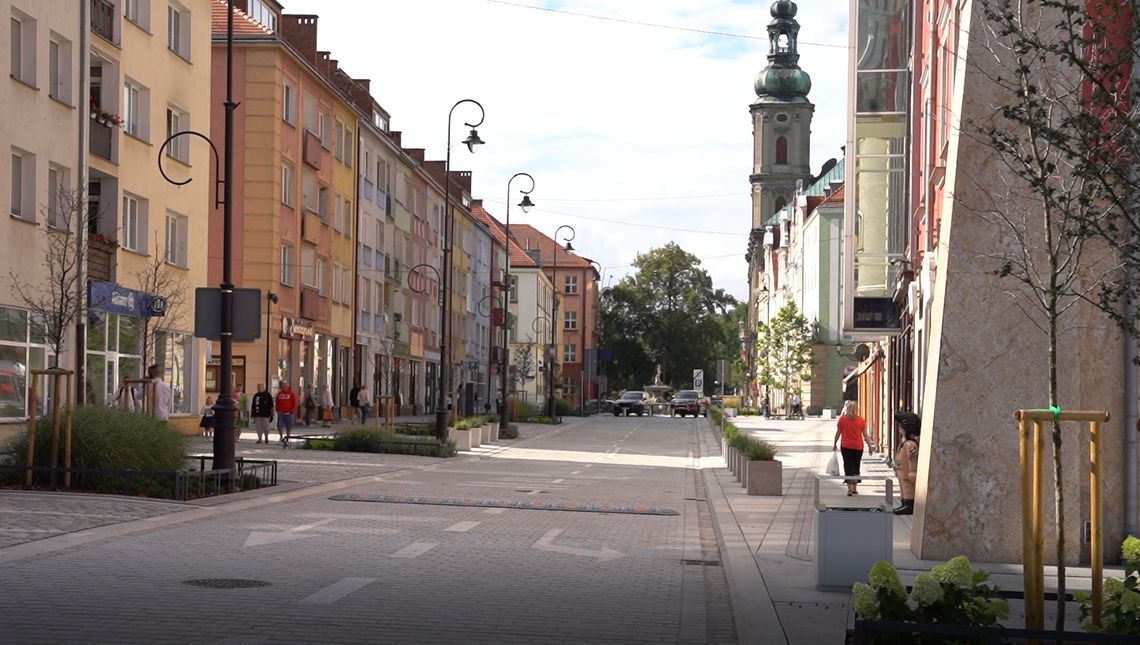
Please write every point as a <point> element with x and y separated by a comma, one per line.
<point>852,429</point>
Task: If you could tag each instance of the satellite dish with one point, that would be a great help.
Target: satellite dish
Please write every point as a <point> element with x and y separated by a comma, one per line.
<point>862,352</point>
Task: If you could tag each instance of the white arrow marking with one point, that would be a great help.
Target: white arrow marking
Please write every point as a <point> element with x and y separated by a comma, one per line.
<point>544,544</point>
<point>257,538</point>
<point>333,593</point>
<point>415,549</point>
<point>462,527</point>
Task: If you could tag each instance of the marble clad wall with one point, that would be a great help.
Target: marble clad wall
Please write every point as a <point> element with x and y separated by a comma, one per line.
<point>987,360</point>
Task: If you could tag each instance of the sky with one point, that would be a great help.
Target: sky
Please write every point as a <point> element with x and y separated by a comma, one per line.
<point>631,117</point>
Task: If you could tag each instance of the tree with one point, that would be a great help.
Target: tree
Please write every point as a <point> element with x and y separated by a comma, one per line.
<point>785,345</point>
<point>58,303</point>
<point>1065,135</point>
<point>158,278</point>
<point>523,366</point>
<point>668,313</point>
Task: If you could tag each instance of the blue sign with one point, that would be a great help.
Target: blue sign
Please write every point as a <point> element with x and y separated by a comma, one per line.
<point>114,299</point>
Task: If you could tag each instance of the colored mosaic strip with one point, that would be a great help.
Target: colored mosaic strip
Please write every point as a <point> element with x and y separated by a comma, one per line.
<point>487,503</point>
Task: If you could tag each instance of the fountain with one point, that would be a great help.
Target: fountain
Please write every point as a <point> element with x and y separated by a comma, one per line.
<point>656,390</point>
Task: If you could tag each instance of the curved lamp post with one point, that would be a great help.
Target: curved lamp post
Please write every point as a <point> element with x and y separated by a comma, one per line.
<point>226,408</point>
<point>526,204</point>
<point>554,315</point>
<point>473,142</point>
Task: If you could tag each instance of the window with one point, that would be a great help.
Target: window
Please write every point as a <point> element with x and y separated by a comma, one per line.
<point>308,266</point>
<point>569,353</point>
<point>339,140</point>
<point>288,103</point>
<point>133,230</point>
<point>177,230</point>
<point>138,12</point>
<point>177,121</point>
<point>174,351</point>
<point>135,105</point>
<point>309,112</point>
<point>308,190</point>
<point>322,276</point>
<point>346,286</point>
<point>23,185</point>
<point>323,203</point>
<point>336,282</point>
<point>365,295</point>
<point>514,289</point>
<point>59,69</point>
<point>23,347</point>
<point>338,212</point>
<point>323,129</point>
<point>287,265</point>
<point>781,150</point>
<point>261,12</point>
<point>288,184</point>
<point>23,48</point>
<point>348,147</point>
<point>348,217</point>
<point>178,30</point>
<point>57,182</point>
<point>571,285</point>
<point>570,320</point>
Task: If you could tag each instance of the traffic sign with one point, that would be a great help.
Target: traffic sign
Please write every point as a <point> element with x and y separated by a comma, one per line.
<point>699,380</point>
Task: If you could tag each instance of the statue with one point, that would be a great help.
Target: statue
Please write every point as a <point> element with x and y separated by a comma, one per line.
<point>657,378</point>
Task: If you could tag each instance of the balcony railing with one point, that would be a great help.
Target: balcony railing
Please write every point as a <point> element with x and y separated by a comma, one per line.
<point>100,140</point>
<point>103,19</point>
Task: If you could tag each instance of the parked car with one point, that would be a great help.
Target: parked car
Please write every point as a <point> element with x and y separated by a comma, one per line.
<point>632,402</point>
<point>689,402</point>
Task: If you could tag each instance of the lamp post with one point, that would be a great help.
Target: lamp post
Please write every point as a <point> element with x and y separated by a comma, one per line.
<point>526,204</point>
<point>473,142</point>
<point>226,408</point>
<point>554,314</point>
<point>581,372</point>
<point>270,300</point>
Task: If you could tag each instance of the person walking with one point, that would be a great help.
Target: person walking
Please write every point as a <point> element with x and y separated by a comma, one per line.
<point>852,429</point>
<point>125,398</point>
<point>163,395</point>
<point>285,406</point>
<point>242,400</point>
<point>310,404</point>
<point>353,394</point>
<point>207,422</point>
<point>909,426</point>
<point>766,407</point>
<point>326,407</point>
<point>261,411</point>
<point>364,402</point>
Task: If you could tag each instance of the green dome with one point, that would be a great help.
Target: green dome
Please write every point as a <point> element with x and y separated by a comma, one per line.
<point>783,84</point>
<point>784,9</point>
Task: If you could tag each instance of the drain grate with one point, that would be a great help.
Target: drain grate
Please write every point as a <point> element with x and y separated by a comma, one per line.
<point>226,583</point>
<point>703,563</point>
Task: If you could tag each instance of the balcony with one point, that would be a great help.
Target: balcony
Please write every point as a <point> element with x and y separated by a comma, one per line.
<point>103,19</point>
<point>312,150</point>
<point>100,144</point>
<point>310,303</point>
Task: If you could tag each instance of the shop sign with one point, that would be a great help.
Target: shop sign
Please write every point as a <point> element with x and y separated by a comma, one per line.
<point>114,299</point>
<point>297,329</point>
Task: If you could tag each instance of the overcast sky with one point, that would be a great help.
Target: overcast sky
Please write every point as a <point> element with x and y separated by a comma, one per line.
<point>632,119</point>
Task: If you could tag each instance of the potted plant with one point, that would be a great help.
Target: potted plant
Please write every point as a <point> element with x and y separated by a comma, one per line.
<point>103,116</point>
<point>99,239</point>
<point>461,434</point>
<point>764,473</point>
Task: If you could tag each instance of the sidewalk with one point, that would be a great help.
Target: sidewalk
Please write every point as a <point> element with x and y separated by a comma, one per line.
<point>768,543</point>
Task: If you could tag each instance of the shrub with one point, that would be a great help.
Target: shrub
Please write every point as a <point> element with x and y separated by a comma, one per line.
<point>361,438</point>
<point>512,432</point>
<point>716,414</point>
<point>760,450</point>
<point>521,409</point>
<point>377,440</point>
<point>563,408</point>
<point>104,438</point>
<point>492,418</point>
<point>417,431</point>
<point>546,420</point>
<point>1120,613</point>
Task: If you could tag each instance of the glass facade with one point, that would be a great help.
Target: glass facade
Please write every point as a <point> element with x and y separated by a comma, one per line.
<point>22,349</point>
<point>113,353</point>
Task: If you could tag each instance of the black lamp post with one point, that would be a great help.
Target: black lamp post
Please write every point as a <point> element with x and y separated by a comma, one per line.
<point>473,142</point>
<point>525,205</point>
<point>226,408</point>
<point>552,358</point>
<point>270,300</point>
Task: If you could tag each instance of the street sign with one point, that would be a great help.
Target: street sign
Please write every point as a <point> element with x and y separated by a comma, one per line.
<point>722,370</point>
<point>699,381</point>
<point>246,314</point>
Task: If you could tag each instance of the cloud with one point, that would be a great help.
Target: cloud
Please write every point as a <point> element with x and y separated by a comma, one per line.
<point>595,109</point>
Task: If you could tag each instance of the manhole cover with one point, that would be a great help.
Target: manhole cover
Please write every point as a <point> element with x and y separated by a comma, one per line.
<point>226,583</point>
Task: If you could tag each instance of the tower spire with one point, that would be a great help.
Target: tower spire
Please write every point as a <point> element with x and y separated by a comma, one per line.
<point>782,80</point>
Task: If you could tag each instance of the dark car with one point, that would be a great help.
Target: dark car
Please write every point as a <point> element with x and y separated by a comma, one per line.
<point>631,403</point>
<point>689,402</point>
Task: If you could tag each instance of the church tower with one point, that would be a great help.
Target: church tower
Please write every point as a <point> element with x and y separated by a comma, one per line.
<point>781,119</point>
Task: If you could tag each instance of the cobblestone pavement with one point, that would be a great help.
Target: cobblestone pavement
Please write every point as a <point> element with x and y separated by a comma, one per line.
<point>35,516</point>
<point>314,570</point>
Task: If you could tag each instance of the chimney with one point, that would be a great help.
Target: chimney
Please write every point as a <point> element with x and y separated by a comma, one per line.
<point>300,32</point>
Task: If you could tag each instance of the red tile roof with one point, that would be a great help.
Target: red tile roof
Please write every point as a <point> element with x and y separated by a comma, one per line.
<point>243,24</point>
<point>835,198</point>
<point>519,257</point>
<point>535,239</point>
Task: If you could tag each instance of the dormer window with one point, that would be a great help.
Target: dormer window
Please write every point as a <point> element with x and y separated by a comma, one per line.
<point>263,13</point>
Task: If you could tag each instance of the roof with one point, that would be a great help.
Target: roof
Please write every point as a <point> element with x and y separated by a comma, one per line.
<point>549,251</point>
<point>835,198</point>
<point>817,189</point>
<point>519,257</point>
<point>243,24</point>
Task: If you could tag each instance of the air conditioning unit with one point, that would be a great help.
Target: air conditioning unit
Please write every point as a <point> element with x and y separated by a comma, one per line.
<point>497,278</point>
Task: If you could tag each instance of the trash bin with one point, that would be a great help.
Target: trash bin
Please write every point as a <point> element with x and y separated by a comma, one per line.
<point>849,539</point>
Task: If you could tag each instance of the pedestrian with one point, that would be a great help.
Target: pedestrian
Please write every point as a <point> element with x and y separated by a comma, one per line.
<point>852,429</point>
<point>909,426</point>
<point>326,403</point>
<point>261,411</point>
<point>766,407</point>
<point>207,422</point>
<point>310,404</point>
<point>285,406</point>
<point>364,402</point>
<point>795,401</point>
<point>125,398</point>
<point>352,397</point>
<point>242,400</point>
<point>163,396</point>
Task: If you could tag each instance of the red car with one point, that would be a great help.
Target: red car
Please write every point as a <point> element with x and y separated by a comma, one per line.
<point>689,402</point>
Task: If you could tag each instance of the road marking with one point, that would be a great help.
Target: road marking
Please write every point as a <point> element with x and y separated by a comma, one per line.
<point>495,511</point>
<point>535,491</point>
<point>258,538</point>
<point>331,594</point>
<point>576,472</point>
<point>590,465</point>
<point>557,481</point>
<point>413,550</point>
<point>544,543</point>
<point>461,527</point>
<point>243,640</point>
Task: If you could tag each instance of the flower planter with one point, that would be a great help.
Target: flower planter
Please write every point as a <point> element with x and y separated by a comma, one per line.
<point>462,438</point>
<point>765,477</point>
<point>476,436</point>
<point>490,432</point>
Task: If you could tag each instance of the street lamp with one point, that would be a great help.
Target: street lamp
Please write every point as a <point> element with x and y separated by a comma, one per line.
<point>473,142</point>
<point>270,300</point>
<point>525,205</point>
<point>554,313</point>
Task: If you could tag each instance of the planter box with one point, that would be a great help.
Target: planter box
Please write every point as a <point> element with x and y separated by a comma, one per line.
<point>765,477</point>
<point>491,432</point>
<point>462,438</point>
<point>476,437</point>
<point>744,471</point>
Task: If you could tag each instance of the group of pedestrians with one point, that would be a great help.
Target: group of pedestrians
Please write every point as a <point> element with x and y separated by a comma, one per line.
<point>262,408</point>
<point>851,438</point>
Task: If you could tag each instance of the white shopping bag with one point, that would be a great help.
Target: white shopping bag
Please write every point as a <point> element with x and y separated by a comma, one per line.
<point>833,464</point>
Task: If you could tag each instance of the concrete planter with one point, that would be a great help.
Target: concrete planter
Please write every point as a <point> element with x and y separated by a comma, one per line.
<point>744,471</point>
<point>765,477</point>
<point>491,433</point>
<point>476,437</point>
<point>462,438</point>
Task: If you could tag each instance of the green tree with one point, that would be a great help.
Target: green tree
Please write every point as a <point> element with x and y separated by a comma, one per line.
<point>667,313</point>
<point>785,343</point>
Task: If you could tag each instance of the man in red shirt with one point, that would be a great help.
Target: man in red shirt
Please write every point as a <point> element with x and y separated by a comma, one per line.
<point>286,405</point>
